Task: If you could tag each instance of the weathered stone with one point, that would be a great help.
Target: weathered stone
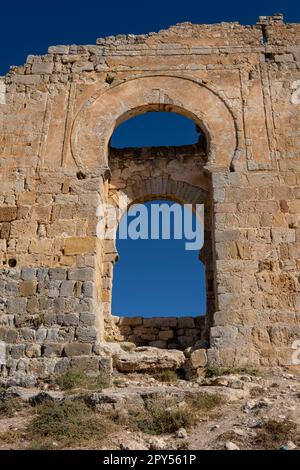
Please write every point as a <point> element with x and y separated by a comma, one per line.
<point>42,67</point>
<point>28,274</point>
<point>67,288</point>
<point>68,319</point>
<point>33,350</point>
<point>77,349</point>
<point>149,358</point>
<point>81,274</point>
<point>198,358</point>
<point>86,335</point>
<point>28,288</point>
<point>8,214</point>
<point>52,349</point>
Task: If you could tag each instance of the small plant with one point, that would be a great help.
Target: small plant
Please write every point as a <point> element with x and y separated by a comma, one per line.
<point>39,320</point>
<point>275,433</point>
<point>164,375</point>
<point>127,347</point>
<point>206,402</point>
<point>162,419</point>
<point>9,406</point>
<point>65,422</point>
<point>77,379</point>
<point>256,392</point>
<point>214,371</point>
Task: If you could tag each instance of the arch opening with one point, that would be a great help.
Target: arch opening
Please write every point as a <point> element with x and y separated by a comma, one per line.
<point>154,173</point>
<point>157,128</point>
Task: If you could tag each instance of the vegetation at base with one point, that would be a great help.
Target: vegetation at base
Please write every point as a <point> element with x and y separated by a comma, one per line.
<point>66,422</point>
<point>9,407</point>
<point>214,371</point>
<point>163,375</point>
<point>273,434</point>
<point>76,379</point>
<point>166,416</point>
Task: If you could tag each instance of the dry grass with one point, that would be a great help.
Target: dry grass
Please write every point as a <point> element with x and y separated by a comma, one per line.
<point>9,407</point>
<point>75,379</point>
<point>164,375</point>
<point>274,434</point>
<point>66,423</point>
<point>167,416</point>
<point>214,371</point>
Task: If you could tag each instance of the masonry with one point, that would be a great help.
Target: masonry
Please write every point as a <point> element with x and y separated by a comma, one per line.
<point>239,84</point>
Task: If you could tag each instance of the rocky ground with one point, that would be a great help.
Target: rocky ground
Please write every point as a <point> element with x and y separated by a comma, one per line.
<point>157,410</point>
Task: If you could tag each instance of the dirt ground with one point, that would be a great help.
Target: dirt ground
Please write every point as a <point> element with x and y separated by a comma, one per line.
<point>256,411</point>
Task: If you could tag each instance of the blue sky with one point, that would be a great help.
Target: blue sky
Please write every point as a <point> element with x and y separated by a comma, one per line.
<point>29,27</point>
<point>157,277</point>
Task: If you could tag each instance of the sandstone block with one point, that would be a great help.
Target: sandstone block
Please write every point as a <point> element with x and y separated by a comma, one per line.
<point>81,274</point>
<point>77,349</point>
<point>28,274</point>
<point>68,319</point>
<point>8,214</point>
<point>165,335</point>
<point>144,358</point>
<point>198,358</point>
<point>80,245</point>
<point>33,350</point>
<point>42,67</point>
<point>52,349</point>
<point>16,305</point>
<point>28,288</point>
<point>67,288</point>
<point>86,335</point>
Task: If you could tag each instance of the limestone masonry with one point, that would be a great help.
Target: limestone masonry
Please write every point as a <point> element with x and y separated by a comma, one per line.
<point>241,86</point>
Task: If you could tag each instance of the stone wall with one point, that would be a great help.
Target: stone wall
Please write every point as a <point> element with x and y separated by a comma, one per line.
<point>161,332</point>
<point>240,85</point>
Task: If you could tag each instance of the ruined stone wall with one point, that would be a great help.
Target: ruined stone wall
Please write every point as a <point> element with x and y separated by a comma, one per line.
<point>162,332</point>
<point>240,85</point>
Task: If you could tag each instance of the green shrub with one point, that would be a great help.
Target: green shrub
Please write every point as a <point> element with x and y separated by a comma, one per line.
<point>214,371</point>
<point>9,406</point>
<point>77,379</point>
<point>66,422</point>
<point>164,375</point>
<point>274,434</point>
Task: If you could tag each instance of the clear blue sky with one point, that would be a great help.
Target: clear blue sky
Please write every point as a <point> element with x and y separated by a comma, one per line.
<point>29,27</point>
<point>160,278</point>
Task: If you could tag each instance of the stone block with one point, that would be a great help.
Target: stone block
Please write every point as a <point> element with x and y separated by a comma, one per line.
<point>42,67</point>
<point>80,245</point>
<point>33,350</point>
<point>165,335</point>
<point>198,358</point>
<point>77,349</point>
<point>52,349</point>
<point>8,335</point>
<point>68,319</point>
<point>57,274</point>
<point>17,351</point>
<point>28,274</point>
<point>186,322</point>
<point>81,274</point>
<point>28,288</point>
<point>8,214</point>
<point>67,288</point>
<point>86,364</point>
<point>86,335</point>
<point>17,305</point>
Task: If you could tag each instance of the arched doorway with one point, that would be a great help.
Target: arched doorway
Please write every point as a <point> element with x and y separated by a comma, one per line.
<point>140,174</point>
